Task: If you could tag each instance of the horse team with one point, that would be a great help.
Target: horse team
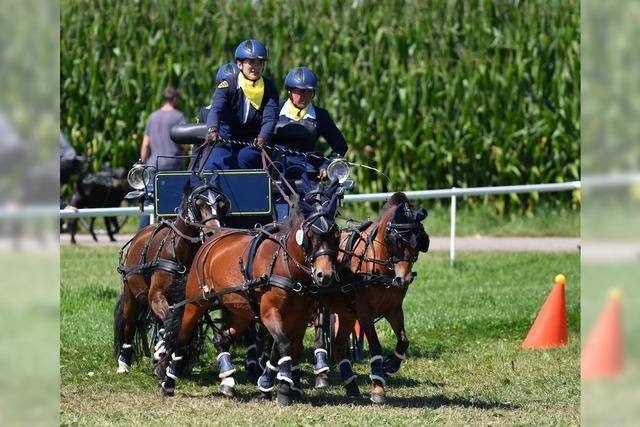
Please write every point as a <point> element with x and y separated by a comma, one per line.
<point>274,275</point>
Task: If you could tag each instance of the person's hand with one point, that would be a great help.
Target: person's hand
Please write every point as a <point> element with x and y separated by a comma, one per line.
<point>261,142</point>
<point>322,173</point>
<point>70,208</point>
<point>212,136</point>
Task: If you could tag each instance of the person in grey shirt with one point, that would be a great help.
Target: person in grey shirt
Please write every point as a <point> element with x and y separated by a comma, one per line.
<point>157,142</point>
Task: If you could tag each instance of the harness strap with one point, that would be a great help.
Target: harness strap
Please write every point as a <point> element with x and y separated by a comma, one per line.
<point>173,227</point>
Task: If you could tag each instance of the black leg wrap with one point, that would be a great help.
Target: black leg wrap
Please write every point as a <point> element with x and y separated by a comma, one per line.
<point>296,388</point>
<point>226,366</point>
<point>377,372</point>
<point>284,370</point>
<point>267,380</point>
<point>346,371</point>
<point>321,361</point>
<point>392,363</point>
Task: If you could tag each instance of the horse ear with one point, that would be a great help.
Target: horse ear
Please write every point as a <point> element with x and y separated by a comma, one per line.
<point>421,214</point>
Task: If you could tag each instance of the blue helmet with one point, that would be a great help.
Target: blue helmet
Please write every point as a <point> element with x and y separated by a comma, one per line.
<point>226,71</point>
<point>251,49</point>
<point>301,78</point>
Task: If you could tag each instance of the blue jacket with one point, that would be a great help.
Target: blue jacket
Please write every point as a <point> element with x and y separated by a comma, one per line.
<point>304,136</point>
<point>227,108</point>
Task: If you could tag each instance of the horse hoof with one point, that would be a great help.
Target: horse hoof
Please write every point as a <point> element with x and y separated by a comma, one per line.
<point>226,390</point>
<point>264,397</point>
<point>322,382</point>
<point>378,398</point>
<point>164,392</point>
<point>353,392</point>
<point>284,399</point>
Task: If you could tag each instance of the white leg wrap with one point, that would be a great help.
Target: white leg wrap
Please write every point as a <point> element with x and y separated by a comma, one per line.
<point>226,374</point>
<point>374,358</point>
<point>175,358</point>
<point>252,346</point>
<point>170,375</point>
<point>295,368</point>
<point>229,382</point>
<point>284,359</point>
<point>271,367</point>
<point>400,356</point>
<point>222,354</point>
<point>126,346</point>
<point>320,350</point>
<point>281,377</point>
<point>265,390</point>
<point>159,345</point>
<point>377,377</point>
<point>321,370</point>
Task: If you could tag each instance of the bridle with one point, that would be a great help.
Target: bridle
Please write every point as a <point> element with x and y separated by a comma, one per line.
<point>320,223</point>
<point>210,195</point>
<point>402,236</point>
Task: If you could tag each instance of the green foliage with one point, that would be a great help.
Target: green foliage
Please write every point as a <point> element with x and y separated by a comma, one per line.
<point>436,94</point>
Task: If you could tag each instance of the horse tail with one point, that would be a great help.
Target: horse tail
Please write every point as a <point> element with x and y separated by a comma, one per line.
<point>140,342</point>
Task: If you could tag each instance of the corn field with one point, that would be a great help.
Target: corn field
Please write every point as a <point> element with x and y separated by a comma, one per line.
<point>434,93</point>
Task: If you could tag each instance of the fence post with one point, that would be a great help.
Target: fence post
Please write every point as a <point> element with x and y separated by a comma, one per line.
<point>452,244</point>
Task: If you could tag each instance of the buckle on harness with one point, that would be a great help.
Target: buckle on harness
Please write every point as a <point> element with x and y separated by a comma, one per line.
<point>298,288</point>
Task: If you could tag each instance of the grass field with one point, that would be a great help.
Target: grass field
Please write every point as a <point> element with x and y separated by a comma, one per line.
<point>465,366</point>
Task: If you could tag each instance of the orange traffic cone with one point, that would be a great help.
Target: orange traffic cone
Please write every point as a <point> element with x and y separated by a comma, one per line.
<point>602,355</point>
<point>550,327</point>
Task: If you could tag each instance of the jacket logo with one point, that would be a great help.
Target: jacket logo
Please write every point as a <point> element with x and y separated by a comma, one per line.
<point>223,84</point>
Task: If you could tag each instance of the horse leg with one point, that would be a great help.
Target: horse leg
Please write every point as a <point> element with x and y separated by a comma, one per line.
<point>267,381</point>
<point>273,322</point>
<point>125,319</point>
<point>72,227</point>
<point>321,367</point>
<point>222,342</point>
<point>91,230</point>
<point>394,360</point>
<point>367,324</point>
<point>296,374</point>
<point>176,349</point>
<point>110,222</point>
<point>251,358</point>
<point>341,354</point>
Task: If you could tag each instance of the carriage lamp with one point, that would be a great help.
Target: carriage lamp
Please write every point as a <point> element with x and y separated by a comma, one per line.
<point>138,176</point>
<point>339,169</point>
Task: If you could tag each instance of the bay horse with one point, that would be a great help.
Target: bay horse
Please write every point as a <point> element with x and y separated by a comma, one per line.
<point>153,267</point>
<point>274,268</point>
<point>379,257</point>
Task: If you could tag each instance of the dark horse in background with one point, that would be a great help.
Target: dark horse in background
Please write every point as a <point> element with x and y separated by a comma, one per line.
<point>259,273</point>
<point>155,265</point>
<point>379,257</point>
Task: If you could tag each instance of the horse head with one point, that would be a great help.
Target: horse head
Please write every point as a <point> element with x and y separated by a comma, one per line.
<point>205,204</point>
<point>404,238</point>
<point>318,234</point>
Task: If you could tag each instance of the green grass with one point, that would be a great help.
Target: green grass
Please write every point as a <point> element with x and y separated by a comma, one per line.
<point>465,365</point>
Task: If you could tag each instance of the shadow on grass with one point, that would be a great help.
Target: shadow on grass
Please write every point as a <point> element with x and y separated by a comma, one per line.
<point>435,401</point>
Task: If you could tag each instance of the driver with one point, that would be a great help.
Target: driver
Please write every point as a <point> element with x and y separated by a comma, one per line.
<point>301,124</point>
<point>244,108</point>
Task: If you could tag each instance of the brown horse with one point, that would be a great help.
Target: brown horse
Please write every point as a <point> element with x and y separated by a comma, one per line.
<point>154,264</point>
<point>380,258</point>
<point>274,271</point>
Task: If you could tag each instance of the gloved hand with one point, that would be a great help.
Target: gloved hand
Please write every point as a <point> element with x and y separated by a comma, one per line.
<point>261,142</point>
<point>322,173</point>
<point>212,136</point>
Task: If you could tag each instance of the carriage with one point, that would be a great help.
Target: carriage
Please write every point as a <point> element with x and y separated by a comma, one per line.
<point>253,199</point>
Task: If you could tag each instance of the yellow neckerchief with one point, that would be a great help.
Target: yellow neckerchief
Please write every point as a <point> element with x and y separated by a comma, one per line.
<point>294,112</point>
<point>253,90</point>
